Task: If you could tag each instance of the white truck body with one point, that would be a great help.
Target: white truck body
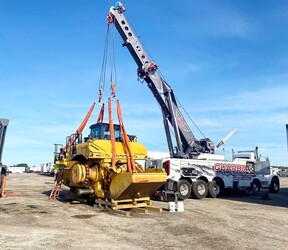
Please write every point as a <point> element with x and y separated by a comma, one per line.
<point>235,174</point>
<point>216,174</point>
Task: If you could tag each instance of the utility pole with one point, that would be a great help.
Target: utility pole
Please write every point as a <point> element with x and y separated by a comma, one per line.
<point>287,134</point>
<point>3,128</point>
<point>3,169</point>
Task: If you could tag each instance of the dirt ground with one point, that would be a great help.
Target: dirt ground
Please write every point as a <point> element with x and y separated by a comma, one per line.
<point>32,221</point>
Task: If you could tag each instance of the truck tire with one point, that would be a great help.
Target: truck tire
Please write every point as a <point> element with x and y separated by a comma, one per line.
<point>214,189</point>
<point>255,185</point>
<point>274,186</point>
<point>199,189</point>
<point>184,189</point>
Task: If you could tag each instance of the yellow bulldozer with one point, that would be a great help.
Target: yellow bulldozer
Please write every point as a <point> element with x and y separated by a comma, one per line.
<point>104,168</point>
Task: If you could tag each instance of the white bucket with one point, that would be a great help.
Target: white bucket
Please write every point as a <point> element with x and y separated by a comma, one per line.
<point>171,206</point>
<point>180,206</point>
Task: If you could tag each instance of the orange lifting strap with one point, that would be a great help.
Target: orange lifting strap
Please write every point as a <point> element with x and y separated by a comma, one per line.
<point>126,142</point>
<point>101,115</point>
<point>112,136</point>
<point>130,160</point>
<point>87,117</point>
<point>74,137</point>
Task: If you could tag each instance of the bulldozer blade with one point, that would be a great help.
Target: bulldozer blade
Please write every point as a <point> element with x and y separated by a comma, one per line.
<point>136,185</point>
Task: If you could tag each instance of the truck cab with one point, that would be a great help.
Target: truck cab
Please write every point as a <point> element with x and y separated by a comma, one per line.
<point>265,177</point>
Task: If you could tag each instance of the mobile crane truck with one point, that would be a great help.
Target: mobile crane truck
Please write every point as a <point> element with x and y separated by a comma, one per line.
<point>192,167</point>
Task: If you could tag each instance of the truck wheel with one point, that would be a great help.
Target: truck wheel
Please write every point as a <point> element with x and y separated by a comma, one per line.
<point>199,189</point>
<point>184,189</point>
<point>274,186</point>
<point>214,189</point>
<point>256,185</point>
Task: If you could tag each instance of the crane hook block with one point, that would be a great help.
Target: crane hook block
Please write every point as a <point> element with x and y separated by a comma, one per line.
<point>100,95</point>
<point>110,18</point>
<point>113,93</point>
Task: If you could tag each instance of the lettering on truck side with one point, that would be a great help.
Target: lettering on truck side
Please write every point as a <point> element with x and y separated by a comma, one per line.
<point>235,168</point>
<point>237,172</point>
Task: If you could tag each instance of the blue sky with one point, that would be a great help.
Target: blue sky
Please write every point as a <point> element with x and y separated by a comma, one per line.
<point>225,60</point>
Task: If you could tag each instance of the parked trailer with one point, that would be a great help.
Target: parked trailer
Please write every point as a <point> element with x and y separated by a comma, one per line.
<point>47,168</point>
<point>16,170</point>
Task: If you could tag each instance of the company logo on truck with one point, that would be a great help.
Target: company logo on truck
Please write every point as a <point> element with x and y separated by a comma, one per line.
<point>235,168</point>
<point>181,122</point>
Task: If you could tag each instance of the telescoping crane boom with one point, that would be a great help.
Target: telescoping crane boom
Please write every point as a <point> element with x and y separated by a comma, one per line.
<point>187,145</point>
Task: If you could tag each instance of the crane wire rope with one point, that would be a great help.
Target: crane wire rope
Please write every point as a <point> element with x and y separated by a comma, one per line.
<point>112,57</point>
<point>113,72</point>
<point>190,118</point>
<point>103,67</point>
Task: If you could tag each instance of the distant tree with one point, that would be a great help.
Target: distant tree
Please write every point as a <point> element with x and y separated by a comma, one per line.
<point>22,165</point>
<point>281,167</point>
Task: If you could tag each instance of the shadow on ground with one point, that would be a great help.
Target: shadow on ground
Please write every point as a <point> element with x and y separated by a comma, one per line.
<point>262,198</point>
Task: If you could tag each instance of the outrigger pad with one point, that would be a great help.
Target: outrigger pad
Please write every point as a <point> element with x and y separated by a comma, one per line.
<point>136,185</point>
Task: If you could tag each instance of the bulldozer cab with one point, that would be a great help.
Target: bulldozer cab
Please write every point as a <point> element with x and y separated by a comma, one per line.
<point>101,131</point>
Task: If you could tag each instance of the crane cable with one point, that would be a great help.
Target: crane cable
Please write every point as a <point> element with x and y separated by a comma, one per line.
<point>190,118</point>
<point>103,68</point>
<point>113,72</point>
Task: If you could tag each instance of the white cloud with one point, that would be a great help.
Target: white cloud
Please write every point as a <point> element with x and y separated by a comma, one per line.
<point>265,99</point>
